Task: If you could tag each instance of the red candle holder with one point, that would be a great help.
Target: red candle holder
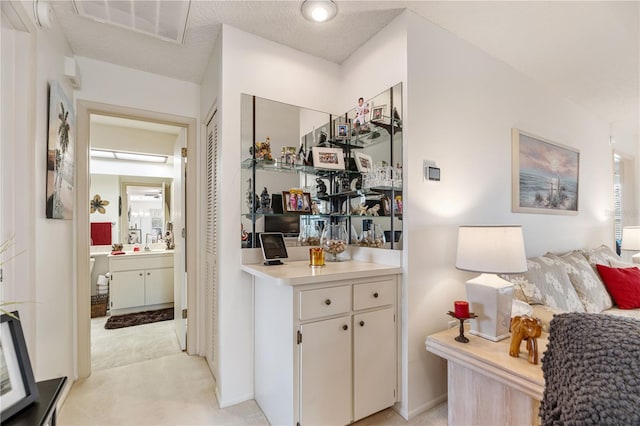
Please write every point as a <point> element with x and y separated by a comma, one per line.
<point>461,337</point>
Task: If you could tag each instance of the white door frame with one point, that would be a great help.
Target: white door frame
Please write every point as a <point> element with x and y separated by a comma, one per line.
<point>83,292</point>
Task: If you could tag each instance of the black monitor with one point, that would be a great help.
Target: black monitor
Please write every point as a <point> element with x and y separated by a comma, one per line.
<point>288,225</point>
<point>273,248</point>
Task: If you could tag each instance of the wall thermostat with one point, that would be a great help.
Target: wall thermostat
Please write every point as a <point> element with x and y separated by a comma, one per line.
<point>431,171</point>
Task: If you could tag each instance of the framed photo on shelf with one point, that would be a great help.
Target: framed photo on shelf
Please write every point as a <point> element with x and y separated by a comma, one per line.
<point>544,175</point>
<point>296,202</point>
<point>135,236</point>
<point>364,162</point>
<point>378,112</point>
<point>17,383</point>
<point>328,158</point>
<point>342,131</point>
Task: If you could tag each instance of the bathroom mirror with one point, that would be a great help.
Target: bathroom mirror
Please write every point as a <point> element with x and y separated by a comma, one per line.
<point>137,209</point>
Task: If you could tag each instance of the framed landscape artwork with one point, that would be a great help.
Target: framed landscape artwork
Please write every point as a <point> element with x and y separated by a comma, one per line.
<point>545,175</point>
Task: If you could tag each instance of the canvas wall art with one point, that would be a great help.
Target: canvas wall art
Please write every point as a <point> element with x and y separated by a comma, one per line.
<point>60,154</point>
<point>545,175</point>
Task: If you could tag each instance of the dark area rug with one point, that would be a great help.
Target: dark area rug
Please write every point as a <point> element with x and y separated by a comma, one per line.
<point>138,318</point>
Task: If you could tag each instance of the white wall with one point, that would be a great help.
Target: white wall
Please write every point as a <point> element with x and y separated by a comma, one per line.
<point>127,139</point>
<point>462,105</point>
<point>54,253</point>
<point>108,187</point>
<point>258,67</point>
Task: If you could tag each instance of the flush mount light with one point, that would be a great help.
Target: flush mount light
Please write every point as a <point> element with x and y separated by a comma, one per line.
<point>319,10</point>
<point>132,156</point>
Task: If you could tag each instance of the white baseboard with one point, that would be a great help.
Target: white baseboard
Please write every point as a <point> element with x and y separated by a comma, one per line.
<point>424,407</point>
<point>229,402</point>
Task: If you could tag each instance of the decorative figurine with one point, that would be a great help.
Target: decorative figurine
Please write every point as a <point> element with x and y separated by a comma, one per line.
<point>252,198</point>
<point>265,202</point>
<point>262,150</point>
<point>321,188</point>
<point>373,211</point>
<point>525,328</point>
<point>314,208</point>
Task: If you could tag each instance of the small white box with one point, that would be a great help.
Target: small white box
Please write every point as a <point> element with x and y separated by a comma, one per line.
<point>490,298</point>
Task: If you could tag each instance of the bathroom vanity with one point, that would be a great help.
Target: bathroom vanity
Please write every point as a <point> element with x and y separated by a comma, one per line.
<point>326,340</point>
<point>141,281</point>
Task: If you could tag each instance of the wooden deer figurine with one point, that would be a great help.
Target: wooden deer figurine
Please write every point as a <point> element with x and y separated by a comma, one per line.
<point>525,328</point>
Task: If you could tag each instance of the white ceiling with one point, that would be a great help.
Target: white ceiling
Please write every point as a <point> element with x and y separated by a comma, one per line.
<point>586,51</point>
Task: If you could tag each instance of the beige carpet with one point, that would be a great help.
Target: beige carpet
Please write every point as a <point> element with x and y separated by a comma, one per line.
<point>156,384</point>
<point>123,346</point>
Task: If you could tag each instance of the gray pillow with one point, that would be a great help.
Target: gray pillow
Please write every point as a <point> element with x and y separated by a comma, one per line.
<point>602,255</point>
<point>587,283</point>
<point>546,282</point>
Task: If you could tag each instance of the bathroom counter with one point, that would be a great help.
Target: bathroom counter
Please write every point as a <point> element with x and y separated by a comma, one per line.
<point>293,273</point>
<point>142,253</point>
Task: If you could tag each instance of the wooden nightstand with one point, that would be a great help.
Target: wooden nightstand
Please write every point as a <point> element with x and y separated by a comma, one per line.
<point>486,385</point>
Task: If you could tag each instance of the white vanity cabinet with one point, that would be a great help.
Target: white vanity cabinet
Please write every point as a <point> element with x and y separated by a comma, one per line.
<point>139,281</point>
<point>326,353</point>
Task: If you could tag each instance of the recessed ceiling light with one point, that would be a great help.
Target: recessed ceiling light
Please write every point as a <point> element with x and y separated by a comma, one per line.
<point>319,10</point>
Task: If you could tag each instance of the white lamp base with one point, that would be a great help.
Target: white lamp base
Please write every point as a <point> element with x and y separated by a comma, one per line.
<point>636,258</point>
<point>490,297</point>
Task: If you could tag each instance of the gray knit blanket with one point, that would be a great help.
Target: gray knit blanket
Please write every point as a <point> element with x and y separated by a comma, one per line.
<point>592,371</point>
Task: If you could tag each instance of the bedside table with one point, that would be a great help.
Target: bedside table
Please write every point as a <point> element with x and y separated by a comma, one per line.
<point>486,385</point>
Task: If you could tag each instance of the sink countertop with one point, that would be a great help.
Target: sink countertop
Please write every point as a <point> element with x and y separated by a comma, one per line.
<point>142,252</point>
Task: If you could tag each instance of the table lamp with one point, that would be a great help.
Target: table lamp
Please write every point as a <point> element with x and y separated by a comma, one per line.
<point>631,241</point>
<point>491,250</point>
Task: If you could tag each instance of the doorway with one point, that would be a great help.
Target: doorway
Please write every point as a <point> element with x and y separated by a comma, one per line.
<point>132,173</point>
<point>186,270</point>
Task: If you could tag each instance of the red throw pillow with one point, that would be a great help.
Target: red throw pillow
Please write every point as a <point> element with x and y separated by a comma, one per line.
<point>623,284</point>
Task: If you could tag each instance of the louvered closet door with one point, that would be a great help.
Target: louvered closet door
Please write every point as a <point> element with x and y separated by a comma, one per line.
<point>211,245</point>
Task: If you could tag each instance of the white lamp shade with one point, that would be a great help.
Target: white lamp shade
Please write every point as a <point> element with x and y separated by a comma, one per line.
<point>631,238</point>
<point>494,249</point>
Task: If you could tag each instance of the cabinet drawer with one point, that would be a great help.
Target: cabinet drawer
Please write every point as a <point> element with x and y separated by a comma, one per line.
<point>323,302</point>
<point>371,295</point>
<point>141,261</point>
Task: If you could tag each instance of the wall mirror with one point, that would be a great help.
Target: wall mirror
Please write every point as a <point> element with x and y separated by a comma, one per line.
<point>304,169</point>
<point>138,209</point>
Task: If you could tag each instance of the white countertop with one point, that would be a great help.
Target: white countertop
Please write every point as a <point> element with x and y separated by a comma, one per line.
<point>142,253</point>
<point>299,272</point>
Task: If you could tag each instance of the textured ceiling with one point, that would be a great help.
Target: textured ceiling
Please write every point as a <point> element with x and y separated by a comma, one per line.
<point>586,51</point>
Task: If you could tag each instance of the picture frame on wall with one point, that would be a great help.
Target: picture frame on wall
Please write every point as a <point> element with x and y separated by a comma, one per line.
<point>17,383</point>
<point>364,162</point>
<point>60,155</point>
<point>296,202</point>
<point>545,175</point>
<point>328,158</point>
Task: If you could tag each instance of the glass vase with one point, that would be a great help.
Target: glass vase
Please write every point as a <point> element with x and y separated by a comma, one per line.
<point>334,241</point>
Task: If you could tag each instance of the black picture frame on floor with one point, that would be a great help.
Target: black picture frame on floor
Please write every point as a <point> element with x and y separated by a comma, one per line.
<point>17,384</point>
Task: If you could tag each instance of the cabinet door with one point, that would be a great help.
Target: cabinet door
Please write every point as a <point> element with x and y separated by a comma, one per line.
<point>158,286</point>
<point>374,362</point>
<point>325,372</point>
<point>126,289</point>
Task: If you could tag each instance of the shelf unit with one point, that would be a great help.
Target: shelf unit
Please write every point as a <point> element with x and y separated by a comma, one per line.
<point>382,140</point>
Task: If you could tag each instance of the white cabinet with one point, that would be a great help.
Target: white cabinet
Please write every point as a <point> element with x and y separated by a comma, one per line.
<point>140,281</point>
<point>326,354</point>
<point>325,382</point>
<point>126,289</point>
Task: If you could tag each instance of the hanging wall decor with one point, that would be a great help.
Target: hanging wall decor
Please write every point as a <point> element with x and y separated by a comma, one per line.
<point>60,155</point>
<point>97,204</point>
<point>545,175</point>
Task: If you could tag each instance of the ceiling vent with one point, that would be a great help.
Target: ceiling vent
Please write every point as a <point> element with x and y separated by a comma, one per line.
<point>163,19</point>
